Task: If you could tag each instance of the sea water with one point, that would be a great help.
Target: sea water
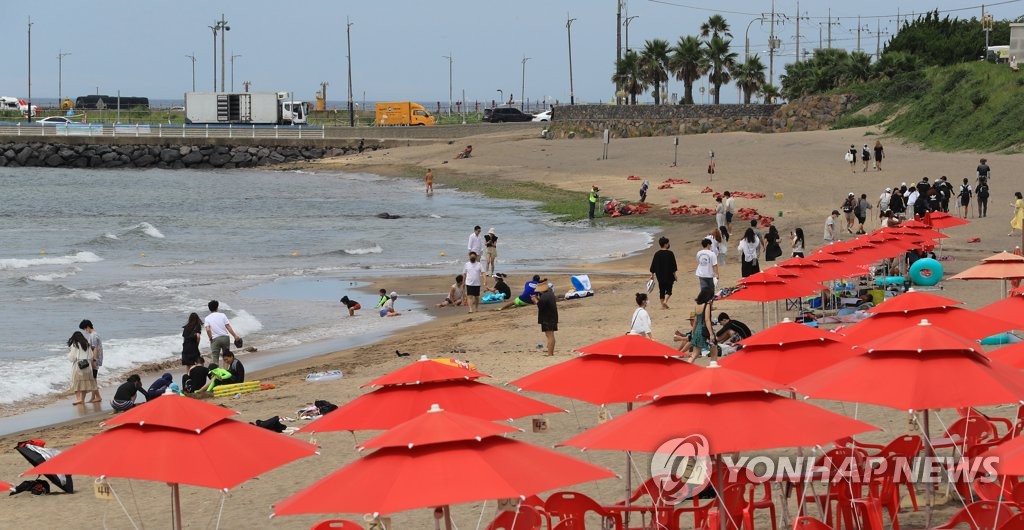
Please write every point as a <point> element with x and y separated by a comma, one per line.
<point>136,251</point>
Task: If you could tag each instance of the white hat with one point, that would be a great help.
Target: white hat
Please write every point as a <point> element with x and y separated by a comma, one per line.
<point>394,294</point>
<point>888,190</point>
<point>851,194</point>
<point>491,231</point>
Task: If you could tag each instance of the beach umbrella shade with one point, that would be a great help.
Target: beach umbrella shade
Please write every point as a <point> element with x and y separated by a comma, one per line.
<point>629,346</point>
<point>173,410</point>
<point>37,454</point>
<point>1010,308</point>
<point>180,456</point>
<point>913,234</point>
<point>789,351</point>
<point>768,288</point>
<point>837,267</point>
<point>806,269</point>
<point>425,370</point>
<point>958,320</point>
<point>1002,266</point>
<point>435,428</point>
<point>1006,458</point>
<point>1012,355</point>
<point>940,220</point>
<point>913,301</point>
<point>389,406</point>
<point>397,477</point>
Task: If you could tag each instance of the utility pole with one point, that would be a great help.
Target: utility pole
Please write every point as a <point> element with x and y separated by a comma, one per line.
<point>450,60</point>
<point>60,76</point>
<point>830,28</point>
<point>215,28</point>
<point>522,93</point>
<point>986,26</point>
<point>224,28</point>
<point>233,71</point>
<point>618,45</point>
<point>568,30</point>
<point>29,110</point>
<point>878,40</point>
<point>351,107</point>
<point>858,33</point>
<point>771,48</point>
<point>193,57</point>
<point>798,31</point>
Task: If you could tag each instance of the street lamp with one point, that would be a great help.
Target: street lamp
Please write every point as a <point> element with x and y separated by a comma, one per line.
<point>223,24</point>
<point>193,57</point>
<point>501,97</point>
<point>60,76</point>
<point>348,40</point>
<point>626,23</point>
<point>215,28</point>
<point>233,71</point>
<point>30,69</point>
<point>568,29</point>
<point>522,93</point>
<point>746,38</point>
<point>450,60</point>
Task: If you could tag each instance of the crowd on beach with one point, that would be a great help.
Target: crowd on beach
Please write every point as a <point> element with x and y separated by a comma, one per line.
<point>85,352</point>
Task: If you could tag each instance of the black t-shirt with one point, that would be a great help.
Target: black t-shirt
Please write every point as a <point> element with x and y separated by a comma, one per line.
<point>237,371</point>
<point>196,379</point>
<point>737,327</point>
<point>983,170</point>
<point>127,391</point>
<point>982,189</point>
<point>349,303</point>
<point>547,308</point>
<point>663,265</point>
<point>503,288</point>
<point>490,241</point>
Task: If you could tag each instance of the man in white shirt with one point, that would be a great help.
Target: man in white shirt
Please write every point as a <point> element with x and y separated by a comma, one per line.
<point>475,243</point>
<point>830,227</point>
<point>883,202</point>
<point>473,272</point>
<point>707,266</point>
<point>911,201</point>
<point>218,329</point>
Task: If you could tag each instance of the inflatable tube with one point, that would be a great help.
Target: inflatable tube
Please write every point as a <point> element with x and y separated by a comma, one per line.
<point>1000,338</point>
<point>236,388</point>
<point>492,298</point>
<point>890,280</point>
<point>926,272</point>
<point>332,375</point>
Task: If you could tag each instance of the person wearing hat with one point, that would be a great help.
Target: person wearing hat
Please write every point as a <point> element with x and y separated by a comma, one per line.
<point>592,199</point>
<point>388,309</point>
<point>526,297</point>
<point>490,251</point>
<point>547,314</point>
<point>500,287</point>
<point>849,205</point>
<point>883,202</point>
<point>473,272</point>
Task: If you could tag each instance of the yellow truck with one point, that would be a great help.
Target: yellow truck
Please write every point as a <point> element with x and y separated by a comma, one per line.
<point>402,113</point>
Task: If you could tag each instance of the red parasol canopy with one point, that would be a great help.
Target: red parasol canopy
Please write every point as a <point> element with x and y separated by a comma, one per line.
<point>923,367</point>
<point>1010,308</point>
<point>768,288</point>
<point>1007,458</point>
<point>712,381</point>
<point>603,379</point>
<point>729,422</point>
<point>425,370</point>
<point>940,220</point>
<point>391,405</point>
<point>629,346</point>
<point>172,410</point>
<point>958,320</point>
<point>437,426</point>
<point>837,267</point>
<point>913,301</point>
<point>789,351</point>
<point>1012,355</point>
<point>393,479</point>
<point>1002,266</point>
<point>806,269</point>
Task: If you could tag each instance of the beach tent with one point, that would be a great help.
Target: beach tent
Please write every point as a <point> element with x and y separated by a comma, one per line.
<point>37,454</point>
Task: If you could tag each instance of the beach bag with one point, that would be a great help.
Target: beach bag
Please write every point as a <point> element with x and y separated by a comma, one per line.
<point>848,156</point>
<point>982,191</point>
<point>35,487</point>
<point>324,406</point>
<point>271,424</point>
<point>83,364</point>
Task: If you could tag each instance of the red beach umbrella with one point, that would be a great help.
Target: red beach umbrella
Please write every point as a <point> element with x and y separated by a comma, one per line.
<point>389,406</point>
<point>940,220</point>
<point>768,288</point>
<point>734,413</point>
<point>789,351</point>
<point>958,320</point>
<point>1001,266</point>
<point>425,370</point>
<point>1012,355</point>
<point>434,428</point>
<point>923,367</point>
<point>398,477</point>
<point>913,301</point>
<point>1006,458</point>
<point>172,410</point>
<point>806,269</point>
<point>629,346</point>
<point>837,267</point>
<point>149,451</point>
<point>1010,308</point>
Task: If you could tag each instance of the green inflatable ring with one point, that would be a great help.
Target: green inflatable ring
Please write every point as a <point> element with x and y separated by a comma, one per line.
<point>926,272</point>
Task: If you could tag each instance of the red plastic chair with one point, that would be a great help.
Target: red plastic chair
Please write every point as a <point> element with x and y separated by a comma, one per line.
<point>869,514</point>
<point>571,508</point>
<point>527,519</point>
<point>737,510</point>
<point>809,523</point>
<point>337,524</point>
<point>904,447</point>
<point>661,503</point>
<point>965,433</point>
<point>840,490</point>
<point>764,502</point>
<point>981,515</point>
<point>1014,523</point>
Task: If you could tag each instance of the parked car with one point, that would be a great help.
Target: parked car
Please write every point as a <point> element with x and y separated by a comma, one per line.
<point>503,114</point>
<point>543,116</point>
<point>55,120</point>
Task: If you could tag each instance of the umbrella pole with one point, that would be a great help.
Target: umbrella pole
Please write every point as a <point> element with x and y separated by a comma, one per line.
<point>929,452</point>
<point>176,508</point>
<point>719,485</point>
<point>447,517</point>
<point>629,475</point>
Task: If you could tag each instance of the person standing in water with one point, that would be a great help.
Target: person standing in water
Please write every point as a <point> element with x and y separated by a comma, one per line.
<point>430,182</point>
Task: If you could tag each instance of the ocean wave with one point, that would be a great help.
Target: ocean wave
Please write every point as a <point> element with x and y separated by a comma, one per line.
<point>20,263</point>
<point>109,235</point>
<point>52,276</point>
<point>147,229</point>
<point>363,250</point>
<point>86,295</point>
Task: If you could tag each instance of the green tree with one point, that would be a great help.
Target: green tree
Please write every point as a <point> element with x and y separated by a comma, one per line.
<point>629,75</point>
<point>720,61</point>
<point>688,63</point>
<point>654,65</point>
<point>770,93</point>
<point>749,76</point>
<point>893,63</point>
<point>716,25</point>
<point>944,41</point>
<point>857,68</point>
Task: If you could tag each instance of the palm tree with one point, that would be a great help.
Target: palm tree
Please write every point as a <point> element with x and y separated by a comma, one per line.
<point>653,65</point>
<point>770,93</point>
<point>857,67</point>
<point>715,26</point>
<point>721,61</point>
<point>629,75</point>
<point>688,63</point>
<point>749,76</point>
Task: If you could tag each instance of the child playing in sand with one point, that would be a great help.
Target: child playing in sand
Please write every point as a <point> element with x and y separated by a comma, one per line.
<point>351,305</point>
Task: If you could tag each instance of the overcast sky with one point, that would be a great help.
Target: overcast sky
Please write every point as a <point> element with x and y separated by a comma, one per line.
<point>398,46</point>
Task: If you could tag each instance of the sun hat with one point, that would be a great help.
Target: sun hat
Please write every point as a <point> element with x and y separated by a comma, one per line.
<point>542,288</point>
<point>888,190</point>
<point>491,231</point>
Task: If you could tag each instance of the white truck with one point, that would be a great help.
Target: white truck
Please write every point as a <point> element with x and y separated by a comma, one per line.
<point>250,108</point>
<point>8,103</point>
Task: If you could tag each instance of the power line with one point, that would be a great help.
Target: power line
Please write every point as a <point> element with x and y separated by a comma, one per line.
<point>863,17</point>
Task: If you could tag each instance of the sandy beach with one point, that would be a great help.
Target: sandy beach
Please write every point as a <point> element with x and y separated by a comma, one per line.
<point>803,177</point>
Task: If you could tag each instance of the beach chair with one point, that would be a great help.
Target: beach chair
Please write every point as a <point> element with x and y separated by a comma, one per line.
<point>840,490</point>
<point>571,508</point>
<point>809,523</point>
<point>762,502</point>
<point>904,447</point>
<point>526,518</point>
<point>1014,523</point>
<point>336,524</point>
<point>660,508</point>
<point>737,511</point>
<point>868,514</point>
<point>981,515</point>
